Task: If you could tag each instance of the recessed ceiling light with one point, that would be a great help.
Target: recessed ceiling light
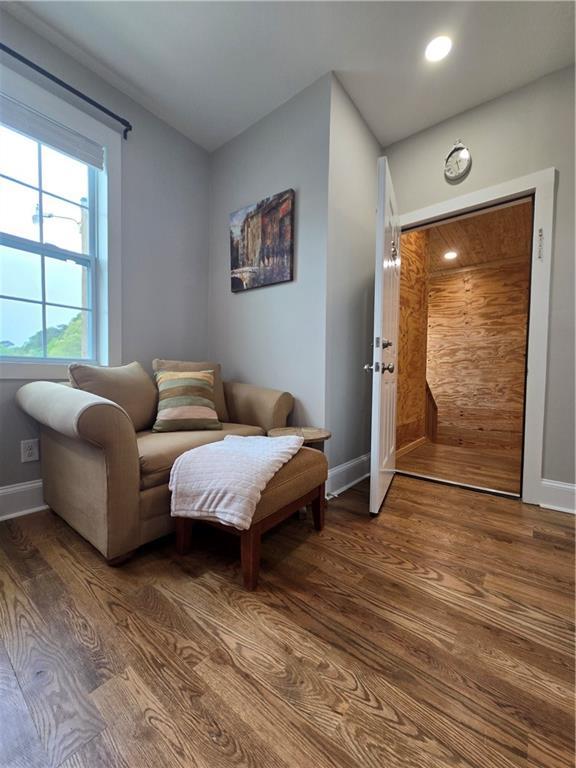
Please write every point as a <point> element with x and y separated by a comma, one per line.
<point>439,48</point>
<point>449,255</point>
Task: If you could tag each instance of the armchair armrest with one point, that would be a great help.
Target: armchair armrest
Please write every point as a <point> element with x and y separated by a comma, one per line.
<point>257,406</point>
<point>76,414</point>
<point>90,463</point>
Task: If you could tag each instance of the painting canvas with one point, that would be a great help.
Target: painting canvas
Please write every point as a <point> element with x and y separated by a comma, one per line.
<point>262,242</point>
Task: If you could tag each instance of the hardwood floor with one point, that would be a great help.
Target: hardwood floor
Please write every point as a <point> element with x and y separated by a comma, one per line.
<point>493,468</point>
<point>437,634</point>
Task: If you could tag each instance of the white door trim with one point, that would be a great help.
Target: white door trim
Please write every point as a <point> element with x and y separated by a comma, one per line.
<point>542,185</point>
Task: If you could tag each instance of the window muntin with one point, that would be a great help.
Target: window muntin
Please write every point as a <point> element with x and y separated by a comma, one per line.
<point>47,253</point>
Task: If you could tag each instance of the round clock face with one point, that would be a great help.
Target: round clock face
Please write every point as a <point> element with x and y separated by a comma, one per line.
<point>458,163</point>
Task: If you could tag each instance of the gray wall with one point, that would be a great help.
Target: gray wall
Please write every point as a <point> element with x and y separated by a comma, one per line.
<point>525,131</point>
<point>350,278</point>
<point>275,336</point>
<point>310,336</point>
<point>164,238</point>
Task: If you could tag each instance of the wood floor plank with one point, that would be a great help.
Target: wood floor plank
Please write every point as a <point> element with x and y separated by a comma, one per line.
<point>62,713</point>
<point>453,716</point>
<point>369,737</point>
<point>433,612</point>
<point>487,543</point>
<point>357,688</point>
<point>439,634</point>
<point>483,640</point>
<point>498,469</point>
<point>208,735</point>
<point>164,649</point>
<point>103,751</point>
<point>87,651</point>
<point>283,545</point>
<point>20,745</point>
<point>461,548</point>
<point>529,679</point>
<point>508,525</point>
<point>492,517</point>
<point>541,752</point>
<point>536,595</point>
<point>136,720</point>
<point>262,709</point>
<point>457,592</point>
<point>326,687</point>
<point>275,668</point>
<point>20,554</point>
<point>333,685</point>
<point>146,643</point>
<point>395,734</point>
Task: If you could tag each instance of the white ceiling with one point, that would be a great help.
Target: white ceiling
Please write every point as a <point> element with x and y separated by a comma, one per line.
<point>212,69</point>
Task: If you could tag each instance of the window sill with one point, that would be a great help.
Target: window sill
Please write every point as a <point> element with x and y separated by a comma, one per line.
<point>33,371</point>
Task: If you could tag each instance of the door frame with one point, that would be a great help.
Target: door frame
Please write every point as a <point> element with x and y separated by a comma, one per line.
<point>541,185</point>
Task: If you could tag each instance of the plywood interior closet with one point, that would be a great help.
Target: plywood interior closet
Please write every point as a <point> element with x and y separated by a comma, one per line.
<point>462,347</point>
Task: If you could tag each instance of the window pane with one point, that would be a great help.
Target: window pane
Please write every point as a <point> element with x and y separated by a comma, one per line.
<point>68,333</point>
<point>20,329</point>
<point>18,156</point>
<point>64,176</point>
<point>67,283</point>
<point>65,225</point>
<point>20,274</point>
<point>18,210</point>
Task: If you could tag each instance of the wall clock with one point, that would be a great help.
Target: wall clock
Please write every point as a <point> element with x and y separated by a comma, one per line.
<point>457,163</point>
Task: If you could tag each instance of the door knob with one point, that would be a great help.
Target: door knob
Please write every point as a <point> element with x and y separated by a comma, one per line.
<point>370,367</point>
<point>388,367</point>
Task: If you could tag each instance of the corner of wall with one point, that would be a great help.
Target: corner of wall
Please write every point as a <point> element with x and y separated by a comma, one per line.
<point>352,176</point>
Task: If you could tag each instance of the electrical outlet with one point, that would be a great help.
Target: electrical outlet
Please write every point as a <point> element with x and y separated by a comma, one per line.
<point>29,450</point>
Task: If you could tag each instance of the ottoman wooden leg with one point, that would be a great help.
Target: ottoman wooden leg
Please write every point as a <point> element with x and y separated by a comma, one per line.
<point>318,506</point>
<point>183,535</point>
<point>250,556</point>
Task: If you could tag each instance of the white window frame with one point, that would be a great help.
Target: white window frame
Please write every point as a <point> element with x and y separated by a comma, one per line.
<point>108,276</point>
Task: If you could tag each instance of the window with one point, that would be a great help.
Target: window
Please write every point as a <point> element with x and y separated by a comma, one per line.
<point>48,249</point>
<point>60,234</point>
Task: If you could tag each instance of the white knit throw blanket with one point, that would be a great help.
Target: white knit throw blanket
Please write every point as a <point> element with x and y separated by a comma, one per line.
<point>224,481</point>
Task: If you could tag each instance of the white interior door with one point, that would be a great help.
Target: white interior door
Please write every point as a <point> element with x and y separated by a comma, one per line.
<point>384,341</point>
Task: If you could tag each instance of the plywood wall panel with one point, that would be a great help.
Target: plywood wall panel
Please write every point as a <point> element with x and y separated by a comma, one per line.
<point>411,398</point>
<point>476,352</point>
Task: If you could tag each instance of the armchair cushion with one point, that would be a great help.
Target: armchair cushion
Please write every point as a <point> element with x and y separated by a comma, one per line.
<point>127,385</point>
<point>183,365</point>
<point>185,401</point>
<point>305,471</point>
<point>159,450</point>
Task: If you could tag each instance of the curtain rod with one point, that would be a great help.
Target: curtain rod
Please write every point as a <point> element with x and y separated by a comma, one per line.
<point>70,88</point>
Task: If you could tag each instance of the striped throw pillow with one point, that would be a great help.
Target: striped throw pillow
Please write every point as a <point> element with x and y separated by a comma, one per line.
<point>185,401</point>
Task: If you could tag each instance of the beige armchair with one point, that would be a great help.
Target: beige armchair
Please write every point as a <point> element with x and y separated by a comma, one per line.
<point>105,472</point>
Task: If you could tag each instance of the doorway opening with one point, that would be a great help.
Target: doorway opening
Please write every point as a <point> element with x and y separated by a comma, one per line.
<point>462,347</point>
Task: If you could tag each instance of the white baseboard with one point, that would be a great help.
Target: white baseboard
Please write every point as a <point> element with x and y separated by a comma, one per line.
<point>348,474</point>
<point>558,496</point>
<point>21,499</point>
<point>25,498</point>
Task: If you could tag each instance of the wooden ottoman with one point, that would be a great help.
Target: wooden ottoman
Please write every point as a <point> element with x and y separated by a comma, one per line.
<point>298,483</point>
